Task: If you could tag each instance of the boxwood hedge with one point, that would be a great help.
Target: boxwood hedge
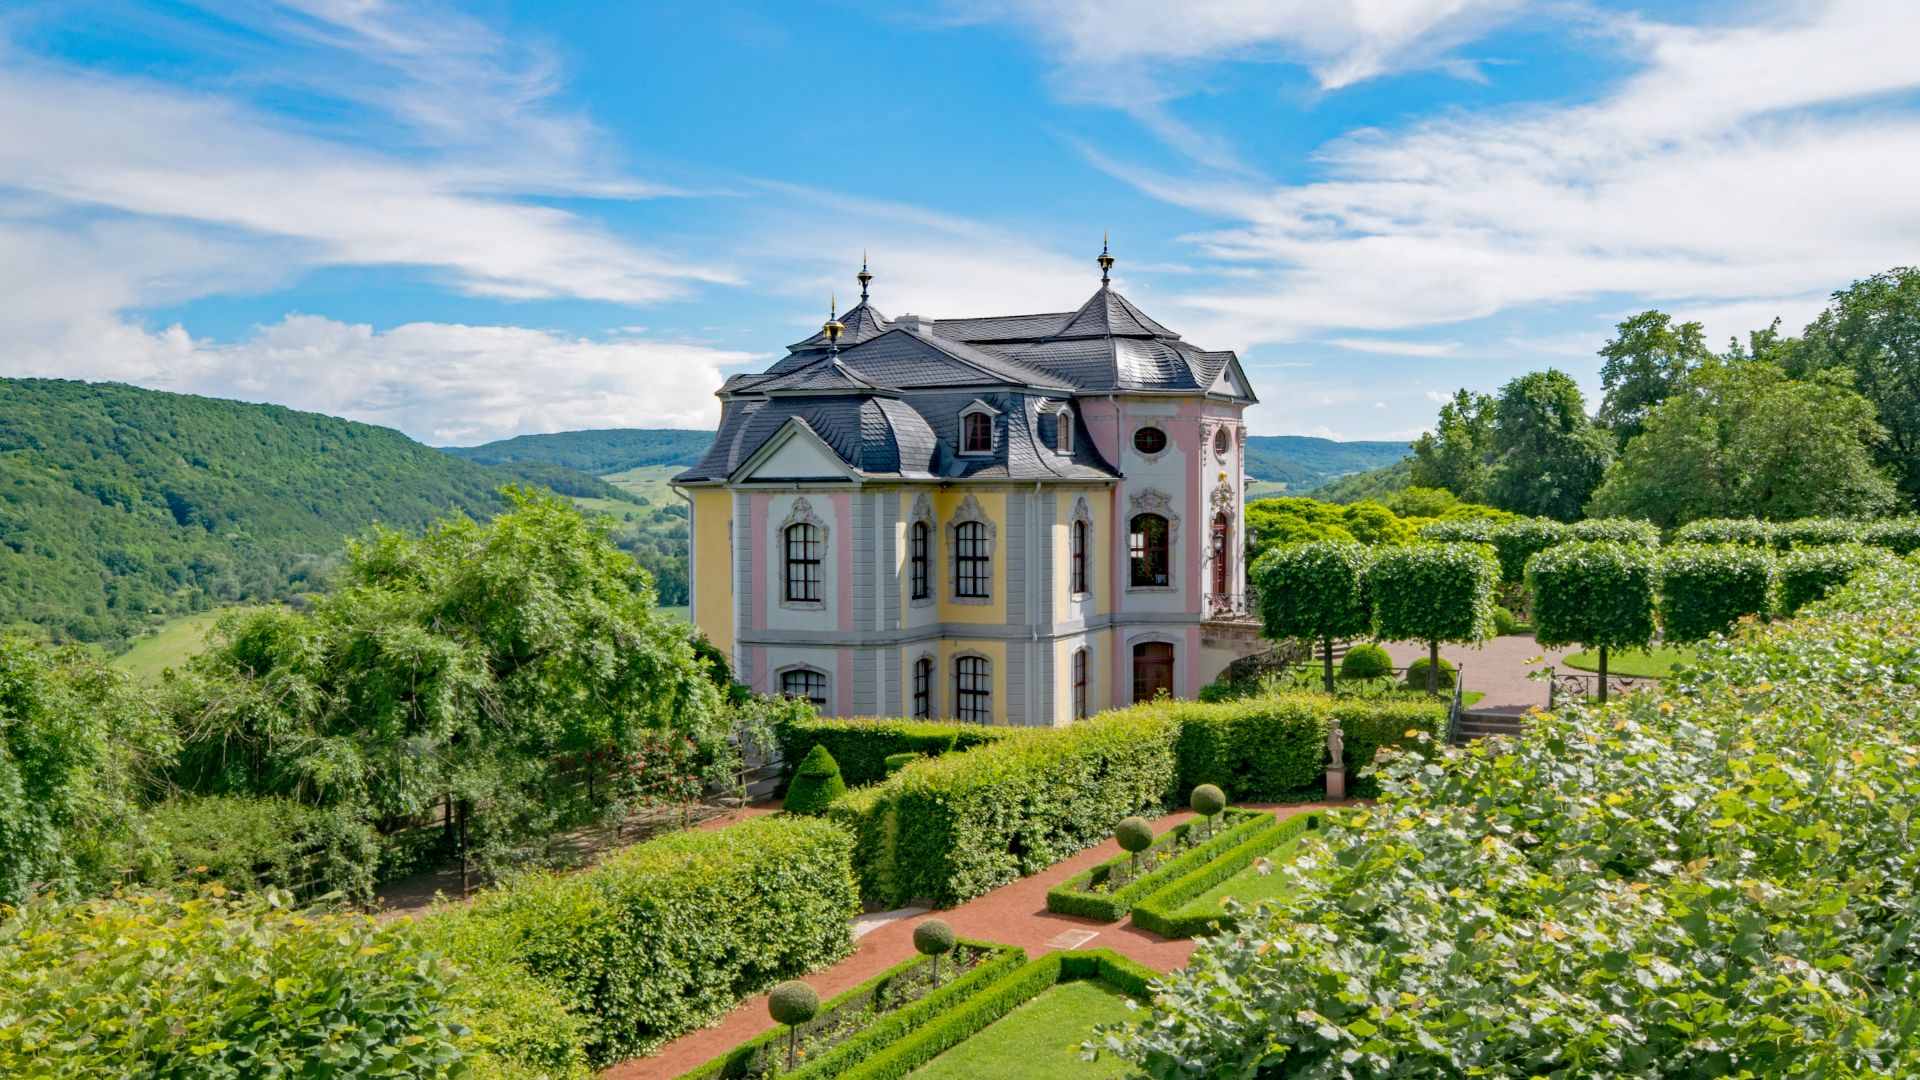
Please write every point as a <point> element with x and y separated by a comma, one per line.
<point>1072,896</point>
<point>1264,749</point>
<point>1162,910</point>
<point>663,937</point>
<point>863,746</point>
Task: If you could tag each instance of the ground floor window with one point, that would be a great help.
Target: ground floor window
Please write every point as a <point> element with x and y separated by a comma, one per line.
<point>1152,670</point>
<point>1079,684</point>
<point>973,689</point>
<point>923,688</point>
<point>807,684</point>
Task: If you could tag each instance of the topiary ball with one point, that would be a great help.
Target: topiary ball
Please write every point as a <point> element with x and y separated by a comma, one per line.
<point>1207,800</point>
<point>1134,834</point>
<point>1417,674</point>
<point>816,783</point>
<point>792,1003</point>
<point>933,938</point>
<point>1366,662</point>
<point>1503,621</point>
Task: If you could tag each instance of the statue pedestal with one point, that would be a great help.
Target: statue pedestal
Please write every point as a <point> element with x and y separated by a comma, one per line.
<point>1336,783</point>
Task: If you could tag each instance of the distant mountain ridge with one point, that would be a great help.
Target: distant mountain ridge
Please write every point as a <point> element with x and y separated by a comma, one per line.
<point>1299,461</point>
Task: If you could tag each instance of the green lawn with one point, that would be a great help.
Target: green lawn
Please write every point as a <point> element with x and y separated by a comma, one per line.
<point>648,482</point>
<point>1039,1040</point>
<point>1651,664</point>
<point>1250,884</point>
<point>169,646</point>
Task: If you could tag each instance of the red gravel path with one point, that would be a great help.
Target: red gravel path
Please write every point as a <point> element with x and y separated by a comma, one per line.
<point>1015,914</point>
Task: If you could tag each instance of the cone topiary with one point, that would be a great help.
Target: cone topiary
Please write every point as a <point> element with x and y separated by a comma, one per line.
<point>792,1003</point>
<point>934,938</point>
<point>1208,801</point>
<point>815,784</point>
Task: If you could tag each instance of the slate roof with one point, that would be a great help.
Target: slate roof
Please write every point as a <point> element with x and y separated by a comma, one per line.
<point>888,400</point>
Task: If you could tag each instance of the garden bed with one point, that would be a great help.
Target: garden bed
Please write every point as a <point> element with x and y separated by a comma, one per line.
<point>1108,891</point>
<point>862,1021</point>
<point>1040,1039</point>
<point>1173,912</point>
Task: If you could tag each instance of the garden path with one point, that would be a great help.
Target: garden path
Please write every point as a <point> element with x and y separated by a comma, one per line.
<point>1498,667</point>
<point>1014,914</point>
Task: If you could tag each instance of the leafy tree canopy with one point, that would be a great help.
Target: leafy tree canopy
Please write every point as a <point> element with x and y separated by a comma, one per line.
<point>1647,363</point>
<point>1548,456</point>
<point>1872,330</point>
<point>1455,455</point>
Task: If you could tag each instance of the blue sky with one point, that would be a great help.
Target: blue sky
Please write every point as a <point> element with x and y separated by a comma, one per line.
<point>479,220</point>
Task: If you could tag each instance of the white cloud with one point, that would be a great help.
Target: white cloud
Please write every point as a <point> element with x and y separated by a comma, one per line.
<point>1765,161</point>
<point>438,382</point>
<point>1397,347</point>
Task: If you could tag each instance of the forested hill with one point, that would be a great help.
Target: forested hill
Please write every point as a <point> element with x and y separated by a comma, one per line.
<point>118,503</point>
<point>1300,461</point>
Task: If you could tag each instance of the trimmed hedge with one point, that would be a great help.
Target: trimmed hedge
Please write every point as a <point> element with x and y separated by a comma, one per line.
<point>1264,749</point>
<point>1517,541</point>
<point>815,785</point>
<point>1705,589</point>
<point>1809,574</point>
<point>972,1016</point>
<point>1898,535</point>
<point>1368,724</point>
<point>862,746</point>
<point>1070,898</point>
<point>1748,532</point>
<point>1160,912</point>
<point>666,935</point>
<point>879,1035</point>
<point>962,825</point>
<point>1618,530</point>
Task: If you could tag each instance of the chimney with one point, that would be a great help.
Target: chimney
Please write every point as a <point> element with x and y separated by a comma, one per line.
<point>916,324</point>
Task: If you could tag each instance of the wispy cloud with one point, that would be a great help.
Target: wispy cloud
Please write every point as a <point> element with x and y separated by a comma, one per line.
<point>1396,346</point>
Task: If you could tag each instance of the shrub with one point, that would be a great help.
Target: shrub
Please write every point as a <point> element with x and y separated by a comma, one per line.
<point>1898,535</point>
<point>1315,592</point>
<point>933,937</point>
<point>1704,590</point>
<point>1160,911</point>
<point>964,824</point>
<point>1207,800</point>
<point>1809,574</point>
<point>792,1002</point>
<point>1748,532</point>
<point>1417,674</point>
<point>1079,895</point>
<point>1517,541</point>
<point>1434,593</point>
<point>1503,622</point>
<point>1134,835</point>
<point>815,785</point>
<point>1599,594</point>
<point>862,746</point>
<point>662,937</point>
<point>1459,531</point>
<point>1259,749</point>
<point>212,986</point>
<point>1366,662</point>
<point>1816,532</point>
<point>896,762</point>
<point>522,1025</point>
<point>1628,531</point>
<point>246,842</point>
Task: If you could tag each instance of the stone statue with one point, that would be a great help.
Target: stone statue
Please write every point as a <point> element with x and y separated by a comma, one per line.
<point>1336,747</point>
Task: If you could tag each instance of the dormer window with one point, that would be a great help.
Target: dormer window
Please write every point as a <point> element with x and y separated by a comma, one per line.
<point>976,429</point>
<point>1063,432</point>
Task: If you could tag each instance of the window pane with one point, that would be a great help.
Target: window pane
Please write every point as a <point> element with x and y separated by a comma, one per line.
<point>973,683</point>
<point>918,571</point>
<point>803,555</point>
<point>1147,548</point>
<point>973,570</point>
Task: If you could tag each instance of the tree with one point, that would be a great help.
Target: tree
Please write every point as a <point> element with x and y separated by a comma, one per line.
<point>1548,456</point>
<point>1647,363</point>
<point>1745,440</point>
<point>1434,593</point>
<point>1872,330</point>
<point>1705,590</point>
<point>1455,455</point>
<point>1598,594</point>
<point>1316,592</point>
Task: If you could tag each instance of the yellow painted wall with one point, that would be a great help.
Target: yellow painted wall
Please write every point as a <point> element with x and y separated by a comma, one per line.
<point>713,567</point>
<point>996,654</point>
<point>994,505</point>
<point>1098,675</point>
<point>1099,501</point>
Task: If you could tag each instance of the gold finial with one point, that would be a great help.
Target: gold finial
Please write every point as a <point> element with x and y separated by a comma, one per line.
<point>833,326</point>
<point>1105,260</point>
<point>863,277</point>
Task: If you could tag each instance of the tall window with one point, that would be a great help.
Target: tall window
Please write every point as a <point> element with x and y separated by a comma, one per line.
<point>972,560</point>
<point>806,684</point>
<point>1080,684</point>
<point>1063,433</point>
<point>917,559</point>
<point>923,688</point>
<point>1079,557</point>
<point>973,689</point>
<point>1147,547</point>
<point>1222,581</point>
<point>977,433</point>
<point>803,561</point>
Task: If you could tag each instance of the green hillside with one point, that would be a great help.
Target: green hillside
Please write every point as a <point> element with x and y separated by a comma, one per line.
<point>609,450</point>
<point>1304,461</point>
<point>120,505</point>
<point>1371,484</point>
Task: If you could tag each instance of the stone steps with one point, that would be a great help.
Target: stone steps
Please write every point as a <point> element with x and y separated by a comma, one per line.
<point>1476,724</point>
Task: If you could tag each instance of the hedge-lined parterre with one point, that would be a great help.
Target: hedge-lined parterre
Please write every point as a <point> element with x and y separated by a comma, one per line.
<point>1078,896</point>
<point>1162,910</point>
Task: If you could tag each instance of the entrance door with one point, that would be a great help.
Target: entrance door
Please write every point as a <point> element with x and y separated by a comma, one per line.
<point>1152,669</point>
<point>1222,580</point>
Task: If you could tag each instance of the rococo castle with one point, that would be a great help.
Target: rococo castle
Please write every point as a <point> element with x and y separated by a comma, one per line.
<point>1018,519</point>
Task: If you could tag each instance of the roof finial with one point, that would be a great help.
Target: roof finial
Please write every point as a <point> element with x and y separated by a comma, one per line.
<point>833,326</point>
<point>1105,260</point>
<point>863,277</point>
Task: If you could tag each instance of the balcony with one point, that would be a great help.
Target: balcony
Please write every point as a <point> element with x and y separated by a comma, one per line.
<point>1231,607</point>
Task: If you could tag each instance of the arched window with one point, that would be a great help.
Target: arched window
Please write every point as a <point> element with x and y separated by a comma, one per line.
<point>976,433</point>
<point>1063,432</point>
<point>973,689</point>
<point>1222,442</point>
<point>1147,549</point>
<point>1079,556</point>
<point>804,550</point>
<point>805,684</point>
<point>1079,684</point>
<point>923,688</point>
<point>1222,529</point>
<point>917,559</point>
<point>972,560</point>
<point>1152,670</point>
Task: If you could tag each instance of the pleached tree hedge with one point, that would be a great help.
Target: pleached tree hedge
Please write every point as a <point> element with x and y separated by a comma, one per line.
<point>1706,588</point>
<point>1809,574</point>
<point>1316,592</point>
<point>1434,593</point>
<point>1598,594</point>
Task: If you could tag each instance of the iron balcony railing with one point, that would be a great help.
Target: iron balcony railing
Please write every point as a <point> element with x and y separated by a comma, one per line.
<point>1232,607</point>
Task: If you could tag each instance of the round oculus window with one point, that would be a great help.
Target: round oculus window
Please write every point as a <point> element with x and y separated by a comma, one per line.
<point>1149,440</point>
<point>1221,443</point>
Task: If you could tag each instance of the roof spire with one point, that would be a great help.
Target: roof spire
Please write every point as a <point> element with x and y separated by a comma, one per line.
<point>1105,260</point>
<point>833,326</point>
<point>863,277</point>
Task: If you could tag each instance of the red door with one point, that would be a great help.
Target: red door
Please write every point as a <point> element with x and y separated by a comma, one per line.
<point>1222,580</point>
<point>1152,670</point>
